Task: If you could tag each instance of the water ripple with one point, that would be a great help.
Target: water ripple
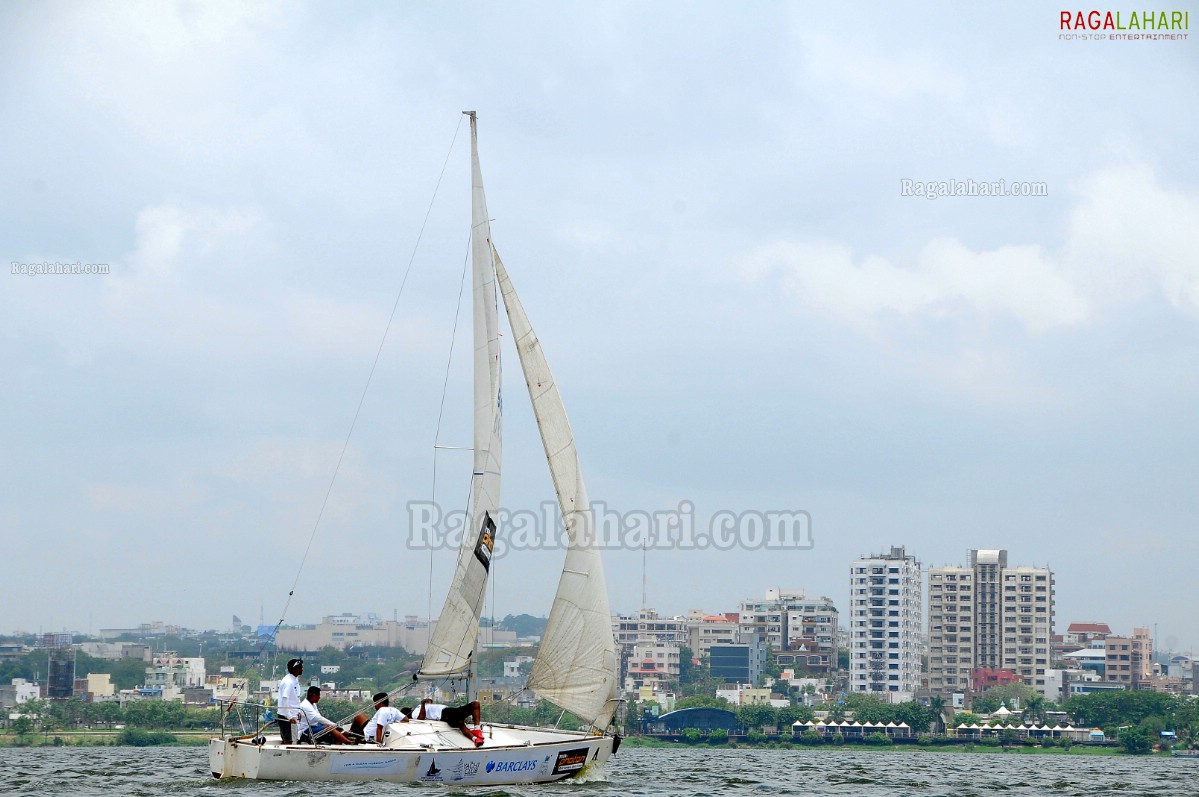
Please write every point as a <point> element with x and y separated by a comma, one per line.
<point>150,772</point>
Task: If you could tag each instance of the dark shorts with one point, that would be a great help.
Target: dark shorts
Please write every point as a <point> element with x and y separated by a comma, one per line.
<point>456,715</point>
<point>306,737</point>
<point>285,729</point>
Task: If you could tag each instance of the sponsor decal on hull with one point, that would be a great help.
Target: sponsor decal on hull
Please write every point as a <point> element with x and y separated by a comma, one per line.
<point>463,770</point>
<point>392,765</point>
<point>571,761</point>
<point>432,774</point>
<point>526,765</point>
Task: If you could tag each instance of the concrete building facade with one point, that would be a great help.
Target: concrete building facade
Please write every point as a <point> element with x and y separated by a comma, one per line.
<point>412,634</point>
<point>645,644</point>
<point>989,616</point>
<point>886,593</point>
<point>801,631</point>
<point>706,630</point>
<point>739,663</point>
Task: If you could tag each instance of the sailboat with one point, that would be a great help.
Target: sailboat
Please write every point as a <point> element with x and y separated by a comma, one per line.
<point>575,667</point>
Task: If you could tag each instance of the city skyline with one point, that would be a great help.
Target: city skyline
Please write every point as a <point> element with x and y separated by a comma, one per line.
<point>845,607</point>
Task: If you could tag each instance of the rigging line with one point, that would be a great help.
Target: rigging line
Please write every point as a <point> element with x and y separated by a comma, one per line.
<point>441,407</point>
<point>370,376</point>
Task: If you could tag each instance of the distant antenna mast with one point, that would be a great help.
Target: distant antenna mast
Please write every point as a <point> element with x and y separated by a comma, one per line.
<point>644,601</point>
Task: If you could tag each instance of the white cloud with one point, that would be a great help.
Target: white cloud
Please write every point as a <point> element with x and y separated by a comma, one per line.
<point>1127,236</point>
<point>946,280</point>
<point>1130,236</point>
<point>177,280</point>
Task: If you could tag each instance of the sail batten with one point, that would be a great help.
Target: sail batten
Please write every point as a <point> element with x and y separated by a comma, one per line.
<point>575,666</point>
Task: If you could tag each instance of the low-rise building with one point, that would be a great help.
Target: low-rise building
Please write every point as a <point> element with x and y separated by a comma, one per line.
<point>517,667</point>
<point>94,687</point>
<point>16,693</point>
<point>740,663</point>
<point>169,674</point>
<point>344,631</point>
<point>1128,660</point>
<point>635,635</point>
<point>706,630</point>
<point>652,664</point>
<point>1081,635</point>
<point>227,686</point>
<point>800,630</point>
<point>743,695</point>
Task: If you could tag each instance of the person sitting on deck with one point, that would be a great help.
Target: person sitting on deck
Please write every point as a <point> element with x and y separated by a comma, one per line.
<point>384,716</point>
<point>453,715</point>
<point>315,726</point>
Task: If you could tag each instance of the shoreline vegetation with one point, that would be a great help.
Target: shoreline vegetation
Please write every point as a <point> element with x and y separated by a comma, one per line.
<point>133,737</point>
<point>128,737</point>
<point>947,746</point>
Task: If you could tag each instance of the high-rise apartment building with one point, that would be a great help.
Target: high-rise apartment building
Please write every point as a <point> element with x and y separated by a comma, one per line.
<point>884,624</point>
<point>950,629</point>
<point>989,617</point>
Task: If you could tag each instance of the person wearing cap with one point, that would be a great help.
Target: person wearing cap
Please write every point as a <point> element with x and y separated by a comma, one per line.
<point>289,699</point>
<point>384,716</point>
<point>316,728</point>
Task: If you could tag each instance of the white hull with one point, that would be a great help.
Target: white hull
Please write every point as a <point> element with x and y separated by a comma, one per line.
<point>419,752</point>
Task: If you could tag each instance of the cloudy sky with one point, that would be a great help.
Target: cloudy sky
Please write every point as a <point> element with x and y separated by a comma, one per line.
<point>703,210</point>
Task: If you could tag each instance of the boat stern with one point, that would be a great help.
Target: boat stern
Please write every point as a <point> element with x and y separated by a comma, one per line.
<point>234,758</point>
<point>217,757</point>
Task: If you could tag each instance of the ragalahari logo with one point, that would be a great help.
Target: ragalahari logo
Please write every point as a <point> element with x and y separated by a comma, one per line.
<point>1141,21</point>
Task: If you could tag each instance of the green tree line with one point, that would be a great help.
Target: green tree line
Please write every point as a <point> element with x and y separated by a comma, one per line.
<point>74,713</point>
<point>1138,717</point>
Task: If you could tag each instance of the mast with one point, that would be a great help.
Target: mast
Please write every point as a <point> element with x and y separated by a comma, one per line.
<point>452,645</point>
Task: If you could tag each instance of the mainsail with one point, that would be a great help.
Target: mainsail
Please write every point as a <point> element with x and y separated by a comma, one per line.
<point>453,640</point>
<point>575,667</point>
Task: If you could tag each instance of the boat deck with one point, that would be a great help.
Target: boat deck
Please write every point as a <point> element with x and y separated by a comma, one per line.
<point>418,735</point>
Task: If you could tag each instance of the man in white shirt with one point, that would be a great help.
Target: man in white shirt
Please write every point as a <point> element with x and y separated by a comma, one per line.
<point>317,728</point>
<point>289,699</point>
<point>384,716</point>
<point>453,715</point>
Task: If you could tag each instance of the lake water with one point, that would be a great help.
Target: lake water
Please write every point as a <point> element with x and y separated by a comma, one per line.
<point>115,771</point>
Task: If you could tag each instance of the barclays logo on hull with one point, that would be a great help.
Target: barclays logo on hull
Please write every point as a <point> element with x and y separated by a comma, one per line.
<point>511,766</point>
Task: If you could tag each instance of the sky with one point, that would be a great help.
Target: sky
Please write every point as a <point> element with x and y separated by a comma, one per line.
<point>703,207</point>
